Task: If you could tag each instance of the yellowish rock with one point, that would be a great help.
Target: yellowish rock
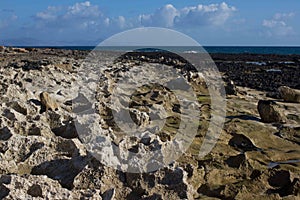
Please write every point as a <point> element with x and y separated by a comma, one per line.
<point>48,102</point>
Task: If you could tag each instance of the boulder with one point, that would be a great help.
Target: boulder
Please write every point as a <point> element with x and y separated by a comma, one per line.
<point>270,112</point>
<point>289,94</point>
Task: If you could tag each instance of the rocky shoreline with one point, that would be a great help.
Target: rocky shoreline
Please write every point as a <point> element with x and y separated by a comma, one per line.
<point>43,157</point>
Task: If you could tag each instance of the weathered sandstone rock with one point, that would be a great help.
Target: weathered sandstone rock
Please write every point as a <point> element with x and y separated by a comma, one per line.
<point>289,94</point>
<point>270,112</point>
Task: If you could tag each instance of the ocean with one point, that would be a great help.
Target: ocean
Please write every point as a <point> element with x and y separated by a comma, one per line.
<point>209,49</point>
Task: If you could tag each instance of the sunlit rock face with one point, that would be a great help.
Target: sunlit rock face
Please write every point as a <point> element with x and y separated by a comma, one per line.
<point>44,154</point>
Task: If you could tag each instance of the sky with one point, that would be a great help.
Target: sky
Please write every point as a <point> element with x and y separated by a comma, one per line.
<point>209,22</point>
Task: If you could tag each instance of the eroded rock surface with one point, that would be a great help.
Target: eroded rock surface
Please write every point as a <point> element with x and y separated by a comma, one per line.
<point>270,112</point>
<point>43,156</point>
<point>289,94</point>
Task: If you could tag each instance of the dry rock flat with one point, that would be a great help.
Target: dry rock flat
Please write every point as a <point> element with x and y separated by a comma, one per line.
<point>42,155</point>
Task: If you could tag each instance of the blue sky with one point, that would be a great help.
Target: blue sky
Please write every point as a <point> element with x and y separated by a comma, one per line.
<point>210,22</point>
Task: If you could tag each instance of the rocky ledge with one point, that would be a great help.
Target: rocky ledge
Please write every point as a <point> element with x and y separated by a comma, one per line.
<point>42,155</point>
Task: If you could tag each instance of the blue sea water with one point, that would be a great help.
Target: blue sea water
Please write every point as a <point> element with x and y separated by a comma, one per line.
<point>255,50</point>
<point>209,49</point>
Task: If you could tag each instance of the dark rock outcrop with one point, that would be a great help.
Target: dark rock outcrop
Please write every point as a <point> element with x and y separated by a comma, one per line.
<point>270,112</point>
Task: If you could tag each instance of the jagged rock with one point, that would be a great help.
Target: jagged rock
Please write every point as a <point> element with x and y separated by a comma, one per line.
<point>140,118</point>
<point>108,195</point>
<point>5,133</point>
<point>289,94</point>
<point>89,177</point>
<point>17,107</point>
<point>48,103</point>
<point>270,112</point>
<point>9,115</point>
<point>39,187</point>
<point>174,180</point>
<point>48,145</point>
<point>4,191</point>
<point>66,130</point>
<point>63,170</point>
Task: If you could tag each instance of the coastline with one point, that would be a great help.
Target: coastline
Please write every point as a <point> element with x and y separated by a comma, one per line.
<point>41,148</point>
<point>269,70</point>
<point>275,50</point>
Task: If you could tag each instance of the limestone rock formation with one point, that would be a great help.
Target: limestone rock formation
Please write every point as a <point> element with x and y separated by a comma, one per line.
<point>43,155</point>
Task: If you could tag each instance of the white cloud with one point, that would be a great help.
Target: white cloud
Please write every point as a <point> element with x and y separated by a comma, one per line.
<point>85,10</point>
<point>84,16</point>
<point>278,25</point>
<point>206,15</point>
<point>81,12</point>
<point>273,23</point>
<point>163,16</point>
<point>122,21</point>
<point>200,15</point>
<point>283,16</point>
<point>87,20</point>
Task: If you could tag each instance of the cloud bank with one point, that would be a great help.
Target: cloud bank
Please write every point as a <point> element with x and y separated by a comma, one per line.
<point>278,25</point>
<point>85,18</point>
<point>85,23</point>
<point>200,15</point>
<point>81,15</point>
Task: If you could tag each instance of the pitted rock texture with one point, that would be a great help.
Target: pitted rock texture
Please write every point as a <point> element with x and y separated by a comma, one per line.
<point>43,156</point>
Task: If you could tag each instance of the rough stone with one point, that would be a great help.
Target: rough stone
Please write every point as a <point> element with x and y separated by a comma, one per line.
<point>35,191</point>
<point>43,155</point>
<point>289,94</point>
<point>48,103</point>
<point>270,112</point>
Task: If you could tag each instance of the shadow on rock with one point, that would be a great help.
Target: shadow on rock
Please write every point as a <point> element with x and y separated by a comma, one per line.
<point>243,143</point>
<point>282,184</point>
<point>236,161</point>
<point>244,117</point>
<point>63,170</point>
